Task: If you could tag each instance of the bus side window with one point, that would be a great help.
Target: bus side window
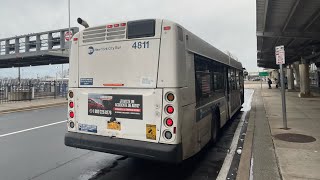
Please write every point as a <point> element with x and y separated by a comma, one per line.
<point>230,81</point>
<point>210,79</point>
<point>203,79</point>
<point>237,80</point>
<point>218,79</point>
<point>233,79</point>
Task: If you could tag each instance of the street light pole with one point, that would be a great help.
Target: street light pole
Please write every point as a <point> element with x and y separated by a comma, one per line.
<point>69,18</point>
<point>69,9</point>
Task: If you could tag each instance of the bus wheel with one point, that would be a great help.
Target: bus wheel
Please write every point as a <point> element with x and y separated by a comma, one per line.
<point>215,126</point>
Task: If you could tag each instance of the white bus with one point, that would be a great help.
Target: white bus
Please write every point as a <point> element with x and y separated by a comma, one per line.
<point>149,89</point>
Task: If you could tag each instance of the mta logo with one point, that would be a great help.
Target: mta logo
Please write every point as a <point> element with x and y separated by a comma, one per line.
<point>90,50</point>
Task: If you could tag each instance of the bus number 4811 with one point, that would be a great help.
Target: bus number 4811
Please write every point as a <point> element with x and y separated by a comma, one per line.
<point>139,45</point>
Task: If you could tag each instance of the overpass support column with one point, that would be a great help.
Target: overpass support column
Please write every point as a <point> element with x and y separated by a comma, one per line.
<point>62,43</point>
<point>16,45</point>
<point>7,47</point>
<point>304,79</point>
<point>290,78</point>
<point>38,42</point>
<point>296,73</point>
<point>27,43</point>
<point>50,43</point>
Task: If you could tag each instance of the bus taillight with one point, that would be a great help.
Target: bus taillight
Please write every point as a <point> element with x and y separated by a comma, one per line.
<point>169,122</point>
<point>169,109</point>
<point>123,24</point>
<point>167,28</point>
<point>167,134</point>
<point>70,94</point>
<point>71,114</point>
<point>71,104</point>
<point>170,97</point>
<point>110,26</point>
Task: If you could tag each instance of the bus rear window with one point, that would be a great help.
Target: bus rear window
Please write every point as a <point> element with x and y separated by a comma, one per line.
<point>139,29</point>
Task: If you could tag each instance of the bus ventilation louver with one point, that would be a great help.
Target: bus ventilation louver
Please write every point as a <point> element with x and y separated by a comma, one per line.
<point>94,34</point>
<point>103,33</point>
<point>116,32</point>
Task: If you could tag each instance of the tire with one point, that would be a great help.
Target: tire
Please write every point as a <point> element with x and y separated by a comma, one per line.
<point>216,126</point>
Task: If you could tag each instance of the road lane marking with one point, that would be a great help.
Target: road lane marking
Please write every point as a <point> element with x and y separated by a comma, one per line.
<point>251,168</point>
<point>30,129</point>
<point>228,160</point>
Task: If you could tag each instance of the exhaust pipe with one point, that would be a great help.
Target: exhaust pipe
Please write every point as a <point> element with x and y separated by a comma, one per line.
<point>83,22</point>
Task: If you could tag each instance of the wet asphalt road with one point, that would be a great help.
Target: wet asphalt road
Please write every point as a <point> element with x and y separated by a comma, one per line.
<point>40,153</point>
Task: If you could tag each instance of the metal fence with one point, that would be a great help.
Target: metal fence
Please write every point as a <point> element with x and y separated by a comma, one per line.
<point>14,91</point>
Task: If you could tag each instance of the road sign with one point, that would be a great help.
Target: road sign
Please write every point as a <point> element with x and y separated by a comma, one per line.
<point>280,59</point>
<point>263,74</point>
<point>68,35</point>
<point>280,55</point>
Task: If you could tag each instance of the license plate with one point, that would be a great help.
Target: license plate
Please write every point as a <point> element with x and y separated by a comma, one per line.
<point>114,125</point>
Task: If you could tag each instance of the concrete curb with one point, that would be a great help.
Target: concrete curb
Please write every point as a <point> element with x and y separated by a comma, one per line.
<point>246,155</point>
<point>42,106</point>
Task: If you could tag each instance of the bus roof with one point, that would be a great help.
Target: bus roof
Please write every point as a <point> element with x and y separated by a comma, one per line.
<point>196,44</point>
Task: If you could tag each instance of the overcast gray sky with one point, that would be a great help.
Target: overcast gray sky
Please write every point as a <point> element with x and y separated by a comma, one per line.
<point>226,24</point>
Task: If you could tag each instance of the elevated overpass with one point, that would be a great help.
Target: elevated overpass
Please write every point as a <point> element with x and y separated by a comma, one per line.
<point>296,25</point>
<point>43,48</point>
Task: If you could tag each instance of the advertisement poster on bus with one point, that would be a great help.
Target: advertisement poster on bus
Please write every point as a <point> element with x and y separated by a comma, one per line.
<point>117,106</point>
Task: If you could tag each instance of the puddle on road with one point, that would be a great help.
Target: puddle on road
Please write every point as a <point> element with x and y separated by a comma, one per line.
<point>296,138</point>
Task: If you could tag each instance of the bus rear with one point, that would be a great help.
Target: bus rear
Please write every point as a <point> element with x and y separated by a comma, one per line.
<point>115,105</point>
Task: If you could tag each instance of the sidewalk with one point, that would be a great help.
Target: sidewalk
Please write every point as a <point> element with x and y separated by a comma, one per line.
<point>275,154</point>
<point>34,104</point>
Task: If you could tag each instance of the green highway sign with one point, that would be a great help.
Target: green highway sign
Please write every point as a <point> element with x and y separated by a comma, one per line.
<point>263,74</point>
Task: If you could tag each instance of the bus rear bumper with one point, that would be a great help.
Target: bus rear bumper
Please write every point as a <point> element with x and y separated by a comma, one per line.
<point>140,149</point>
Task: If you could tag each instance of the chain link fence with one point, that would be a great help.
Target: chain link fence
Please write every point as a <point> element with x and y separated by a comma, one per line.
<point>28,90</point>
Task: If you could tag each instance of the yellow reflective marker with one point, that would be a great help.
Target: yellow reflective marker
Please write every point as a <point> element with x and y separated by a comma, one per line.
<point>114,125</point>
<point>151,132</point>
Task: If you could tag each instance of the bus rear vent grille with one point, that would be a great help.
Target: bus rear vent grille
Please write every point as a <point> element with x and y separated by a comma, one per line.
<point>100,33</point>
<point>116,33</point>
<point>94,34</point>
